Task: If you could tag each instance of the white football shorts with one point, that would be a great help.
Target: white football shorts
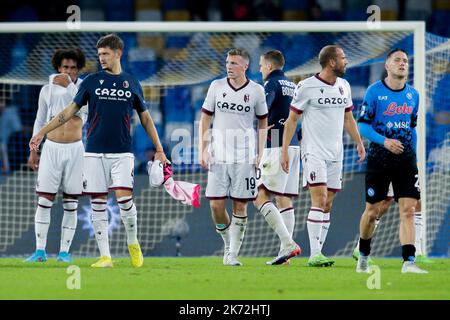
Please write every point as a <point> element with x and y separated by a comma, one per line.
<point>61,165</point>
<point>236,180</point>
<point>273,178</point>
<point>107,171</point>
<point>318,172</point>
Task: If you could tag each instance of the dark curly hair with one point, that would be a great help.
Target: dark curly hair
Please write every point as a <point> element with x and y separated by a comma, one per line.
<point>74,54</point>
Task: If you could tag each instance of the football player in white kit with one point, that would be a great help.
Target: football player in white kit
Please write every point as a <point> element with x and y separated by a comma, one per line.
<point>272,180</point>
<point>61,161</point>
<point>232,156</point>
<point>112,95</point>
<point>325,102</point>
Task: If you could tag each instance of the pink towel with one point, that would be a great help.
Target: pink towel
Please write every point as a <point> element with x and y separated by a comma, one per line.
<point>186,192</point>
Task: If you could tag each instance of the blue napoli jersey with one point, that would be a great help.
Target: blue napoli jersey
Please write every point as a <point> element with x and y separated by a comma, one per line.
<point>279,92</point>
<point>111,100</point>
<point>392,113</point>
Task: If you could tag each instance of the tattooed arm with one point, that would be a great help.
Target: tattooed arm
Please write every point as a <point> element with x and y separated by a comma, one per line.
<point>58,121</point>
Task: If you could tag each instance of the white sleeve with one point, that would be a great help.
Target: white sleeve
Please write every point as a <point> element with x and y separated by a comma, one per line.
<point>210,102</point>
<point>72,90</point>
<point>41,115</point>
<point>261,109</point>
<point>300,98</point>
<point>83,113</point>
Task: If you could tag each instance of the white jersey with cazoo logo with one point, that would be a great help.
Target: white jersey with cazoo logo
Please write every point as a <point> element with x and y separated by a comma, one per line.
<point>234,110</point>
<point>323,106</point>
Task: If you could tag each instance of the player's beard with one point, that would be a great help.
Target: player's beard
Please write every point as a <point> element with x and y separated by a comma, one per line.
<point>339,72</point>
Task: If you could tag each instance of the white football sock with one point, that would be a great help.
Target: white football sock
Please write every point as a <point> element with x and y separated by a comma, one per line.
<point>325,227</point>
<point>314,225</point>
<point>42,222</point>
<point>128,213</point>
<point>69,223</point>
<point>237,232</point>
<point>288,217</point>
<point>100,223</point>
<point>275,221</point>
<point>225,234</point>
<point>418,241</point>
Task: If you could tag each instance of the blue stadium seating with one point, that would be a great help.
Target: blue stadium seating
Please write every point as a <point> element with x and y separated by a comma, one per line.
<point>119,10</point>
<point>177,105</point>
<point>174,5</point>
<point>294,4</point>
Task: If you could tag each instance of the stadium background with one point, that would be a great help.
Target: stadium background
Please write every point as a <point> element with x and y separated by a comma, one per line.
<point>186,231</point>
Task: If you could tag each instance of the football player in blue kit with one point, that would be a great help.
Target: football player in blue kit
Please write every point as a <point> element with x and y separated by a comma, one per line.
<point>388,119</point>
<point>112,95</point>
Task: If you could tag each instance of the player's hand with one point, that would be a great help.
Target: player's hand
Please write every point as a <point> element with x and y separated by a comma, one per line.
<point>394,146</point>
<point>161,156</point>
<point>361,152</point>
<point>35,142</point>
<point>204,160</point>
<point>62,80</point>
<point>270,127</point>
<point>33,160</point>
<point>285,160</point>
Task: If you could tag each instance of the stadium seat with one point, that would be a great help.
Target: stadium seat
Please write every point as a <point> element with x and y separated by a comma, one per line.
<point>148,15</point>
<point>168,5</point>
<point>442,4</point>
<point>119,10</point>
<point>418,10</point>
<point>178,41</point>
<point>294,15</point>
<point>442,29</point>
<point>92,15</point>
<point>155,42</point>
<point>177,15</point>
<point>220,42</point>
<point>177,105</point>
<point>142,62</point>
<point>355,10</point>
<point>147,5</point>
<point>295,5</point>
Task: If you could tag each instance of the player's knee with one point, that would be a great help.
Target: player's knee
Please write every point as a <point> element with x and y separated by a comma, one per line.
<point>126,205</point>
<point>43,212</point>
<point>239,207</point>
<point>283,202</point>
<point>98,208</point>
<point>407,212</point>
<point>371,212</point>
<point>49,197</point>
<point>320,201</point>
<point>44,202</point>
<point>217,205</point>
<point>70,205</point>
<point>384,206</point>
<point>261,198</point>
<point>328,207</point>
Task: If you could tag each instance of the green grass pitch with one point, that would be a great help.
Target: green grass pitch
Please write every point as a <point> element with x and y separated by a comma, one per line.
<point>206,278</point>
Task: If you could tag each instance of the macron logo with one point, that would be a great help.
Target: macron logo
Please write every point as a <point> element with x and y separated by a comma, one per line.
<point>101,81</point>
